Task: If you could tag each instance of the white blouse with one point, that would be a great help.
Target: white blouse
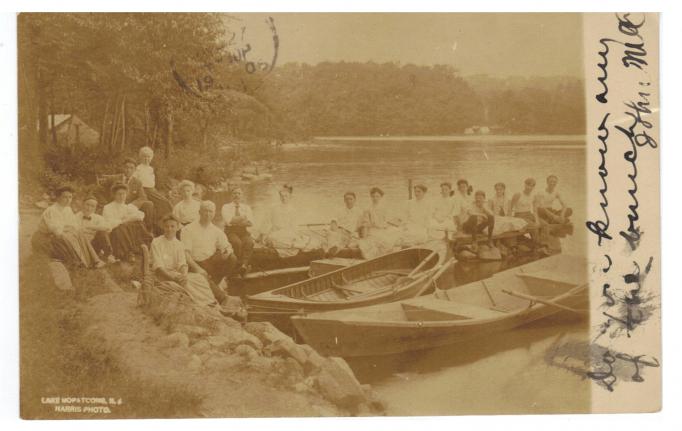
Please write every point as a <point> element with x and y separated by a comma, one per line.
<point>168,254</point>
<point>418,212</point>
<point>115,213</point>
<point>282,216</point>
<point>187,212</point>
<point>350,219</point>
<point>145,173</point>
<point>56,217</point>
<point>444,209</point>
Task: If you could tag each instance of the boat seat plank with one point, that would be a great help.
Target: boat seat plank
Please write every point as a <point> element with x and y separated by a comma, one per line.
<point>435,309</point>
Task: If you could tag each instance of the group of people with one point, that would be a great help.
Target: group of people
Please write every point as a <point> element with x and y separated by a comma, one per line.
<point>189,251</point>
<point>377,230</point>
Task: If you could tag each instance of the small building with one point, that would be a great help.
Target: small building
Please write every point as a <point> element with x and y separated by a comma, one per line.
<point>72,131</point>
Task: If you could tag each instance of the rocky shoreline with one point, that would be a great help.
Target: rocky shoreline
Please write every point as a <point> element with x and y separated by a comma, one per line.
<point>234,369</point>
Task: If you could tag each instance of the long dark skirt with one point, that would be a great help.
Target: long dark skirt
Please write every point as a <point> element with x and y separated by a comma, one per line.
<point>127,239</point>
<point>73,249</point>
<point>147,207</point>
<point>162,205</point>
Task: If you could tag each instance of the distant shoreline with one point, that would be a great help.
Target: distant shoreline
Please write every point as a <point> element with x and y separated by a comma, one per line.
<point>459,138</point>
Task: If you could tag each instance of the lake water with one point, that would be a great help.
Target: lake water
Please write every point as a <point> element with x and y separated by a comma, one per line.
<point>502,373</point>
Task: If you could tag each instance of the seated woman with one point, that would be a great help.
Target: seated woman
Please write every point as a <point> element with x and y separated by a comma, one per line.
<point>345,226</point>
<point>379,227</point>
<point>444,211</point>
<point>281,228</point>
<point>137,196</point>
<point>500,206</point>
<point>128,232</point>
<point>479,217</point>
<point>59,235</point>
<point>462,195</point>
<point>96,228</point>
<point>169,264</point>
<point>418,218</point>
<point>187,210</point>
<point>145,173</point>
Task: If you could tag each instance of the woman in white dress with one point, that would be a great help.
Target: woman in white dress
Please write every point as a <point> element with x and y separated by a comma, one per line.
<point>60,236</point>
<point>380,228</point>
<point>169,264</point>
<point>444,210</point>
<point>463,201</point>
<point>418,218</point>
<point>128,231</point>
<point>281,227</point>
<point>187,210</point>
<point>144,172</point>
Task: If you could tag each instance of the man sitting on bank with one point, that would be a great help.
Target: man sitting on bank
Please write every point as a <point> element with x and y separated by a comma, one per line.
<point>208,251</point>
<point>545,202</point>
<point>238,217</point>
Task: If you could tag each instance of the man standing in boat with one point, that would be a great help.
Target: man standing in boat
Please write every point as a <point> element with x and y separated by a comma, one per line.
<point>238,217</point>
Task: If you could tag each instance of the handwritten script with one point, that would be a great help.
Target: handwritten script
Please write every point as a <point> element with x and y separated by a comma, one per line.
<point>625,127</point>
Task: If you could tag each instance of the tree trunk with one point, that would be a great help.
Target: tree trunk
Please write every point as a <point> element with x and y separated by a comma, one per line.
<point>114,127</point>
<point>103,129</point>
<point>204,135</point>
<point>169,132</point>
<point>123,124</point>
<point>52,125</point>
<point>156,130</point>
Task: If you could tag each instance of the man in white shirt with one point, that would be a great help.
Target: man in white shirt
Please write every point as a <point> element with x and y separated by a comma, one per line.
<point>238,217</point>
<point>545,202</point>
<point>96,228</point>
<point>208,251</point>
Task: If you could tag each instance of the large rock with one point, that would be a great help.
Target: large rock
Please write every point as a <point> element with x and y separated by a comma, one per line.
<point>265,332</point>
<point>223,362</point>
<point>200,346</point>
<point>314,361</point>
<point>176,339</point>
<point>246,351</point>
<point>192,331</point>
<point>335,384</point>
<point>232,338</point>
<point>286,348</point>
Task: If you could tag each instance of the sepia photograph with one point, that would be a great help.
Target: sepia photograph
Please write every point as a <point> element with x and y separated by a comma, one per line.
<point>337,214</point>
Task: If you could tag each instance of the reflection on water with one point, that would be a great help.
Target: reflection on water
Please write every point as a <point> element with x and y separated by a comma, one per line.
<point>498,373</point>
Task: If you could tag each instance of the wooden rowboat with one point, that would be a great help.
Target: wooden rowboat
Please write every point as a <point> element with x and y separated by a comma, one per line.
<point>504,301</point>
<point>392,277</point>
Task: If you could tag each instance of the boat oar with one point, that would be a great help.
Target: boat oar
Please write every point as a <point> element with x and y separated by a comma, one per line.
<point>422,263</point>
<point>434,278</point>
<point>543,301</point>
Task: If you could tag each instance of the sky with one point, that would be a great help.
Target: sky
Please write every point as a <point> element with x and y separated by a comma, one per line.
<point>495,44</point>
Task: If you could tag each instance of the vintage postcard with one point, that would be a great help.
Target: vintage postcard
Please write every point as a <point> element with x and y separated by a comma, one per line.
<point>338,214</point>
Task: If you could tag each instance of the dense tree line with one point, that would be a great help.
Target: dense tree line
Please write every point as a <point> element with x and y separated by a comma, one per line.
<point>168,80</point>
<point>392,99</point>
